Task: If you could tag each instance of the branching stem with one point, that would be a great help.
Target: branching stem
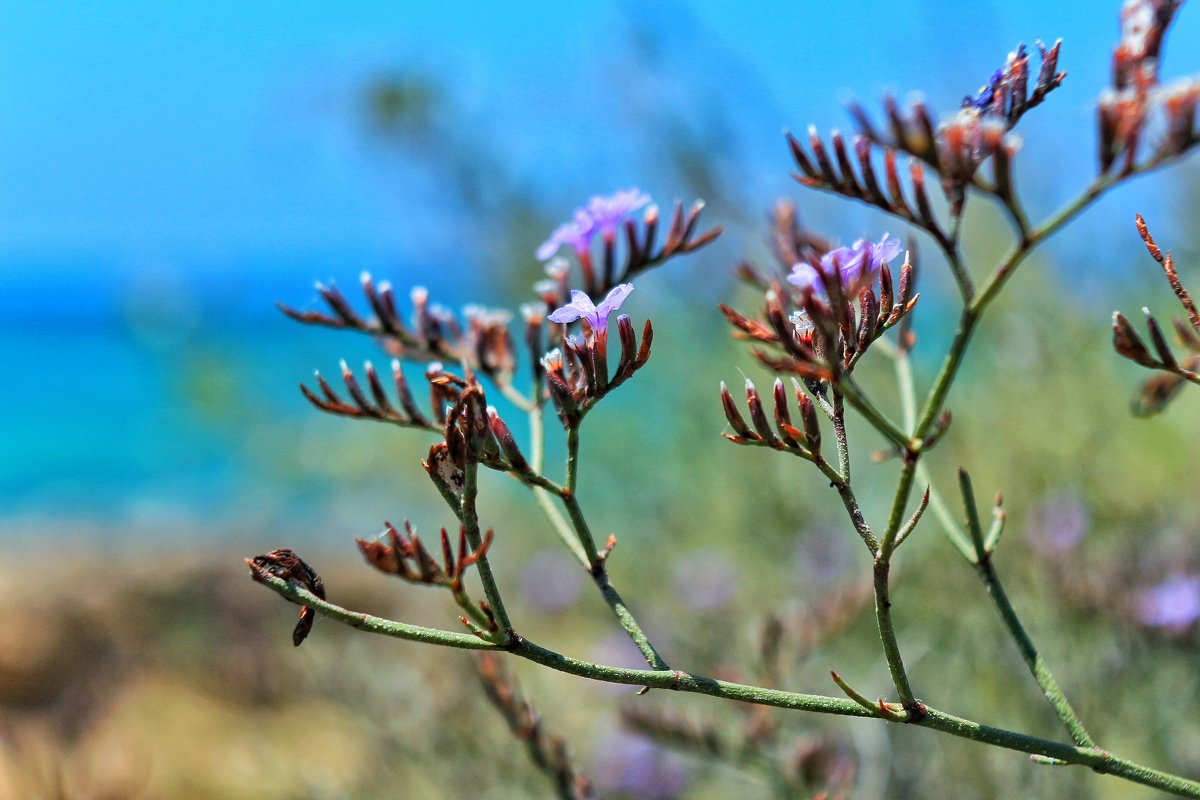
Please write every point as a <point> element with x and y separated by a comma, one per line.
<point>1094,758</point>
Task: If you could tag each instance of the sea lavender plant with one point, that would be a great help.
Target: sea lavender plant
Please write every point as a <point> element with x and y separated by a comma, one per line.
<point>822,310</point>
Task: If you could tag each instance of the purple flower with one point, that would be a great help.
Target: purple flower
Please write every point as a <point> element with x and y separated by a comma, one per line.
<point>609,212</point>
<point>1172,604</point>
<point>576,234</point>
<point>1059,523</point>
<point>634,766</point>
<point>601,215</point>
<point>859,262</point>
<point>581,307</point>
<point>549,581</point>
<point>703,579</point>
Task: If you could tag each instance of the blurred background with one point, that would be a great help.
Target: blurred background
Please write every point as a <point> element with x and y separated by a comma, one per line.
<point>168,173</point>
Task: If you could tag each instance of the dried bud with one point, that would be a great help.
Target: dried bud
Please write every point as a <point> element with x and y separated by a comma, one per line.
<point>506,440</point>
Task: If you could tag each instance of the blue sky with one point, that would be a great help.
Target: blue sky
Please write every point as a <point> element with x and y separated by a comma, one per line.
<point>215,134</point>
<point>168,171</point>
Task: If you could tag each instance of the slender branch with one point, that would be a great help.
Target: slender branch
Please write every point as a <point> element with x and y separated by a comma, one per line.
<point>839,434</point>
<point>1041,673</point>
<point>572,458</point>
<point>887,635</point>
<point>858,400</point>
<point>516,398</point>
<point>537,459</point>
<point>470,521</point>
<point>609,592</point>
<point>578,535</point>
<point>1094,758</point>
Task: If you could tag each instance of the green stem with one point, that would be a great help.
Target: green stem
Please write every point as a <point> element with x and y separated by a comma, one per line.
<point>572,458</point>
<point>583,532</point>
<point>855,397</point>
<point>470,521</point>
<point>537,460</point>
<point>584,545</point>
<point>1094,758</point>
<point>887,635</point>
<point>1041,673</point>
<point>609,592</point>
<point>839,434</point>
<point>899,504</point>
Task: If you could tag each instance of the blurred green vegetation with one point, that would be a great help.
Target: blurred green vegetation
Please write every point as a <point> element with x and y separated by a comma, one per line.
<point>165,673</point>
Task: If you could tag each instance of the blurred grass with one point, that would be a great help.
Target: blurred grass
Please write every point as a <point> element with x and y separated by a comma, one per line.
<point>168,674</point>
<point>156,669</point>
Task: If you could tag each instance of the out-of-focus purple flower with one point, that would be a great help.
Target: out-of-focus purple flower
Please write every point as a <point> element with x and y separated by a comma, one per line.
<point>581,307</point>
<point>1059,524</point>
<point>1173,604</point>
<point>602,214</point>
<point>634,766</point>
<point>549,581</point>
<point>703,579</point>
<point>985,99</point>
<point>857,263</point>
<point>609,212</point>
<point>576,234</point>
<point>823,555</point>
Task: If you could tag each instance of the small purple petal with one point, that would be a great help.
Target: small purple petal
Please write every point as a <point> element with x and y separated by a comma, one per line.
<point>580,307</point>
<point>860,262</point>
<point>804,275</point>
<point>601,214</point>
<point>614,299</point>
<point>576,234</point>
<point>1172,604</point>
<point>887,250</point>
<point>607,213</point>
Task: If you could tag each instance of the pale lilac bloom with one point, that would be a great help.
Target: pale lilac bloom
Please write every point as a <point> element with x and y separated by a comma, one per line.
<point>601,215</point>
<point>1173,604</point>
<point>609,212</point>
<point>862,260</point>
<point>549,581</point>
<point>576,234</point>
<point>1059,523</point>
<point>703,579</point>
<point>581,307</point>
<point>634,766</point>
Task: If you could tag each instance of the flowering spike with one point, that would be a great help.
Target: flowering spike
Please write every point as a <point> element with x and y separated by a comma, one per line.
<point>506,440</point>
<point>758,415</point>
<point>808,415</point>
<point>848,182</point>
<point>1160,342</point>
<point>734,416</point>
<point>800,157</point>
<point>644,350</point>
<point>822,158</point>
<point>862,149</point>
<point>1127,343</point>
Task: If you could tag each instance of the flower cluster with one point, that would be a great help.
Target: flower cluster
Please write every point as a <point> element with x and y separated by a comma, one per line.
<point>600,215</point>
<point>1173,372</point>
<point>1006,94</point>
<point>577,376</point>
<point>1138,107</point>
<point>838,311</point>
<point>608,217</point>
<point>851,266</point>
